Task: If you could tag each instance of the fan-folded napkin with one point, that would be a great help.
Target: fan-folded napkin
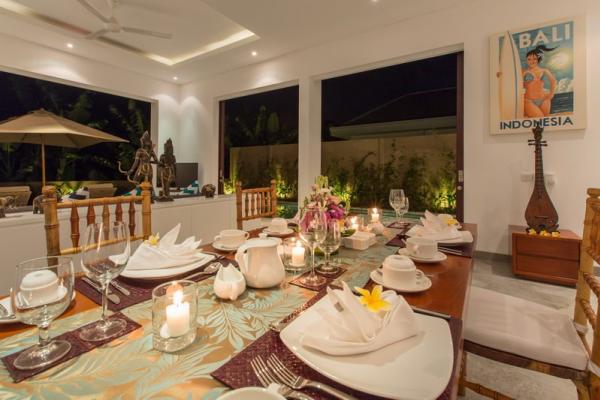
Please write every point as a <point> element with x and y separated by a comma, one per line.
<point>353,329</point>
<point>434,227</point>
<point>166,254</point>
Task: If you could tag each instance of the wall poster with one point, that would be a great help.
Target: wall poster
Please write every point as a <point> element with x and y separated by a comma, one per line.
<point>537,77</point>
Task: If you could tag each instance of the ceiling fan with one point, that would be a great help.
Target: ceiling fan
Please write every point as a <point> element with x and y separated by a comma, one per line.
<point>111,25</point>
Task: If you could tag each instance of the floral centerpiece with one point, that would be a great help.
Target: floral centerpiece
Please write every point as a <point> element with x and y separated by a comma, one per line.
<point>322,197</point>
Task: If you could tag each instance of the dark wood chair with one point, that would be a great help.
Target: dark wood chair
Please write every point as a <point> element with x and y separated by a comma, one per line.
<point>255,203</point>
<point>51,207</point>
<point>528,335</point>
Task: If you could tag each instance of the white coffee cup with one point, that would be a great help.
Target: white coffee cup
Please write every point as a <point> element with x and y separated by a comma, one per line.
<point>278,225</point>
<point>421,247</point>
<point>232,237</point>
<point>400,272</point>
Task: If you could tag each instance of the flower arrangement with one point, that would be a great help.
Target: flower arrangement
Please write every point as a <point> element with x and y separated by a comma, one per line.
<point>322,197</point>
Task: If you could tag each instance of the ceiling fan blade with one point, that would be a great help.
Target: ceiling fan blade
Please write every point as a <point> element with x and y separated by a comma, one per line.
<point>97,34</point>
<point>93,10</point>
<point>147,32</point>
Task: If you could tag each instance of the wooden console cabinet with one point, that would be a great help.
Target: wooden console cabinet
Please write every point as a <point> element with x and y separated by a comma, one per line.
<point>546,259</point>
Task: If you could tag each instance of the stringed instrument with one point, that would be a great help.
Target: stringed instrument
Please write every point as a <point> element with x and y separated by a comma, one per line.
<point>540,213</point>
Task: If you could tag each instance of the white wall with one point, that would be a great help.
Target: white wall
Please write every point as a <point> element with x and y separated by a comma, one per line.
<point>494,194</point>
<point>23,57</point>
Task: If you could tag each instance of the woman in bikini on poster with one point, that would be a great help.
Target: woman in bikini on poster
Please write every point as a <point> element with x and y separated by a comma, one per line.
<point>537,99</point>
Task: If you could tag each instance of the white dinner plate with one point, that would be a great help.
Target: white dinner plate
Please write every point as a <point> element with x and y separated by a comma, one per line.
<point>288,231</point>
<point>221,247</point>
<point>251,393</point>
<point>6,303</point>
<point>419,367</point>
<point>465,238</point>
<point>420,286</point>
<point>439,257</point>
<point>163,273</point>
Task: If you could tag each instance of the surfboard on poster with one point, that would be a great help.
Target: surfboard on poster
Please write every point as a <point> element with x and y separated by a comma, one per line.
<point>537,77</point>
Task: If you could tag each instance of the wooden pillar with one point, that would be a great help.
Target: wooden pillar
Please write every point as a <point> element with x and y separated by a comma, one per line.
<point>238,204</point>
<point>146,209</point>
<point>51,221</point>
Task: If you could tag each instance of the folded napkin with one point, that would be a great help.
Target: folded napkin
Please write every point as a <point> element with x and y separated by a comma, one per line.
<point>353,329</point>
<point>435,227</point>
<point>166,254</point>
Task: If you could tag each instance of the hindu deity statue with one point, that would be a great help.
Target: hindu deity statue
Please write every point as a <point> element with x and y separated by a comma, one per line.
<point>168,170</point>
<point>141,169</point>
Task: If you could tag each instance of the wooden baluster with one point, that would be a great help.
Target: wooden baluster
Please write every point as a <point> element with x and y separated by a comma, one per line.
<point>238,204</point>
<point>74,226</point>
<point>106,221</point>
<point>91,214</point>
<point>253,204</point>
<point>274,198</point>
<point>261,203</point>
<point>246,207</point>
<point>146,209</point>
<point>119,212</point>
<point>51,221</point>
<point>131,218</point>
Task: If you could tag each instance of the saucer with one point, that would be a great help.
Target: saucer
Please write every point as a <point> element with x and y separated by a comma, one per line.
<point>286,232</point>
<point>439,257</point>
<point>221,247</point>
<point>421,285</point>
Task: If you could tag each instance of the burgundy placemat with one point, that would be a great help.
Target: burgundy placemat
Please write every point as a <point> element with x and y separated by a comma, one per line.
<point>237,372</point>
<point>328,279</point>
<point>396,225</point>
<point>140,290</point>
<point>78,347</point>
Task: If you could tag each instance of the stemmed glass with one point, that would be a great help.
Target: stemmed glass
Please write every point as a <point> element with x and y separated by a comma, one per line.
<point>333,239</point>
<point>43,290</point>
<point>399,203</point>
<point>313,229</point>
<point>105,254</point>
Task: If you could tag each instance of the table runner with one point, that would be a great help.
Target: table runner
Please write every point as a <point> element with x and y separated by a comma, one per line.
<point>328,279</point>
<point>78,347</point>
<point>237,372</point>
<point>140,291</point>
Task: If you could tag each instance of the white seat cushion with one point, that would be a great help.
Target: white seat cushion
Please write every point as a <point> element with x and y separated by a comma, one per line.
<point>524,328</point>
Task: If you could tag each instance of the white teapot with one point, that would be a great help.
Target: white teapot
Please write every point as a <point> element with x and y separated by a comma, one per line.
<point>229,283</point>
<point>260,263</point>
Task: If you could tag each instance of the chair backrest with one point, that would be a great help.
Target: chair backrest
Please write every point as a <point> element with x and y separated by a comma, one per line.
<point>51,207</point>
<point>590,252</point>
<point>255,203</point>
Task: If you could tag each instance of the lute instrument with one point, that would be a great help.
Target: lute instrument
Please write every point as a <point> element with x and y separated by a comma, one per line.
<point>540,213</point>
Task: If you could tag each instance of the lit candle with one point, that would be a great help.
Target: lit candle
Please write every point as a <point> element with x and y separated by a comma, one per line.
<point>178,315</point>
<point>375,215</point>
<point>354,223</point>
<point>298,254</point>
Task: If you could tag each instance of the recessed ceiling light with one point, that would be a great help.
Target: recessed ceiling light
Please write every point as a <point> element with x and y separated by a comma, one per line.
<point>254,54</point>
<point>175,78</point>
<point>70,45</point>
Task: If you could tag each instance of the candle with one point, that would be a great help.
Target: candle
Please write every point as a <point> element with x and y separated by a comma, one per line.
<point>298,254</point>
<point>375,215</point>
<point>178,315</point>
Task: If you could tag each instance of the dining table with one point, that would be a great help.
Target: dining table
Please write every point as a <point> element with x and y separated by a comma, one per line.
<point>129,367</point>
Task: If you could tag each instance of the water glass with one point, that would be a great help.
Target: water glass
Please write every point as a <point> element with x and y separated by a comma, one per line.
<point>332,242</point>
<point>313,229</point>
<point>106,250</point>
<point>42,291</point>
<point>399,202</point>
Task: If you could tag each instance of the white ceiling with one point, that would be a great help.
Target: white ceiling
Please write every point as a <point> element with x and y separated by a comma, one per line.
<point>209,36</point>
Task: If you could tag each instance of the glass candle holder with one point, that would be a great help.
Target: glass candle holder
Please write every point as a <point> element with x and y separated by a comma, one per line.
<point>355,223</point>
<point>174,312</point>
<point>295,254</point>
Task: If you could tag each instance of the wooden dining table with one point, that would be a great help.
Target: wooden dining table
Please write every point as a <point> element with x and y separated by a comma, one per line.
<point>130,365</point>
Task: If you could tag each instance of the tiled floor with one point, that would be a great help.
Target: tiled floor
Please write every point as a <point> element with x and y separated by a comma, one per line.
<point>516,382</point>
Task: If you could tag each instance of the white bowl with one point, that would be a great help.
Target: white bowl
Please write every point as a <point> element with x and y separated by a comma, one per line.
<point>251,393</point>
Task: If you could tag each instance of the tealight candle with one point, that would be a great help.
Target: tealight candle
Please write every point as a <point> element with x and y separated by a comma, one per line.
<point>298,254</point>
<point>375,215</point>
<point>354,223</point>
<point>178,315</point>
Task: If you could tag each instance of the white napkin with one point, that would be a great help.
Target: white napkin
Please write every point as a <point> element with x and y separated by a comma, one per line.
<point>353,329</point>
<point>166,254</point>
<point>434,227</point>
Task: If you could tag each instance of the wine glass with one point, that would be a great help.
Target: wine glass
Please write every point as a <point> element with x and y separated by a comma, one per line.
<point>313,229</point>
<point>403,209</point>
<point>105,254</point>
<point>43,290</point>
<point>333,239</point>
<point>396,201</point>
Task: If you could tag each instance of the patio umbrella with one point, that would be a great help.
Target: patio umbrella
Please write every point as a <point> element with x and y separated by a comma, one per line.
<point>45,128</point>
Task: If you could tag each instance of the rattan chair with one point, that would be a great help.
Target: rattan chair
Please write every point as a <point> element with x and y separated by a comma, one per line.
<point>255,203</point>
<point>51,208</point>
<point>528,335</point>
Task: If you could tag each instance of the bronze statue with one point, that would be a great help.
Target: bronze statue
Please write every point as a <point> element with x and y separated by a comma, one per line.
<point>168,171</point>
<point>6,203</point>
<point>141,170</point>
<point>208,190</point>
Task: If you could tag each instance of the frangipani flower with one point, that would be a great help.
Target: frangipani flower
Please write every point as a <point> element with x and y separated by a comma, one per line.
<point>451,221</point>
<point>372,300</point>
<point>153,239</point>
